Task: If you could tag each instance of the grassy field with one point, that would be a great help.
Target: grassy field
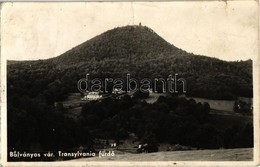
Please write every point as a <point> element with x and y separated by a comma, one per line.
<point>73,105</point>
<point>73,100</point>
<point>240,154</point>
<point>223,105</point>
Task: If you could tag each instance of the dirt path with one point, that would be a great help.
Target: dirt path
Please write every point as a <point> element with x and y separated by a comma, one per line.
<point>240,154</point>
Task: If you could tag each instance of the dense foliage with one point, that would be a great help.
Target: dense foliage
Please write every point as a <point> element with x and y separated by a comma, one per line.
<point>170,120</point>
<point>33,125</point>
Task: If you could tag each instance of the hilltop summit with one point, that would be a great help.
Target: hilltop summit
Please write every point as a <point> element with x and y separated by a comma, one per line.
<point>133,42</point>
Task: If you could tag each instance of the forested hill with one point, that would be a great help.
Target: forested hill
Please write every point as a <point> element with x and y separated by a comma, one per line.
<point>137,50</point>
<point>130,42</point>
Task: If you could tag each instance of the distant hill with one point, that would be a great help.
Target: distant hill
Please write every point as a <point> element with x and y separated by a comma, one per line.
<point>137,50</point>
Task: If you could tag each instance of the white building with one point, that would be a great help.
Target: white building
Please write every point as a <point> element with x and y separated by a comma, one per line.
<point>92,96</point>
<point>117,91</point>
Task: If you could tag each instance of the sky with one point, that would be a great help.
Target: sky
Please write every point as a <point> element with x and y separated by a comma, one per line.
<point>228,31</point>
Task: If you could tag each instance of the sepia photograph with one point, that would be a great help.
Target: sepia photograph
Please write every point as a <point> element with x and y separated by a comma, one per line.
<point>130,83</point>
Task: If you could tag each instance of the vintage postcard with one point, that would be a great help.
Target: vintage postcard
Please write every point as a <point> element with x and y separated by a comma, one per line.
<point>172,83</point>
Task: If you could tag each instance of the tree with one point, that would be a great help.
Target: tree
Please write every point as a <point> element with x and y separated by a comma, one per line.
<point>141,95</point>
